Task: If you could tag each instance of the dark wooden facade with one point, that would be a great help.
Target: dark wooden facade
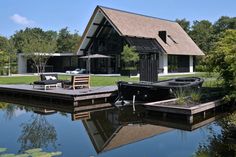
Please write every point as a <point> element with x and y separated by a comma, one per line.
<point>149,68</point>
<point>107,41</point>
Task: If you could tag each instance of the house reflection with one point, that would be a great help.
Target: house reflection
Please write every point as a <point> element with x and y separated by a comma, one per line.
<point>111,129</point>
<point>108,128</point>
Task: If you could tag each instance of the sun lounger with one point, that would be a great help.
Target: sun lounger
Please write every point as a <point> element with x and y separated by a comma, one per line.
<point>47,81</point>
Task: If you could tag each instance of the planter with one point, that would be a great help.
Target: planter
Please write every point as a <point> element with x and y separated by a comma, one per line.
<point>129,72</point>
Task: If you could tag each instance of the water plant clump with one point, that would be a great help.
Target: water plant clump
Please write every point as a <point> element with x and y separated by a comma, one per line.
<point>195,96</point>
<point>188,96</point>
<point>181,96</point>
<point>37,152</point>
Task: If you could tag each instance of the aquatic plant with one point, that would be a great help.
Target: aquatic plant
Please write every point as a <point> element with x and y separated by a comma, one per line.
<point>195,96</point>
<point>3,150</point>
<point>37,152</point>
<point>180,94</point>
<point>3,105</point>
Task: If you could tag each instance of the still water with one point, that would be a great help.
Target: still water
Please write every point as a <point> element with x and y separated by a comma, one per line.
<point>112,133</point>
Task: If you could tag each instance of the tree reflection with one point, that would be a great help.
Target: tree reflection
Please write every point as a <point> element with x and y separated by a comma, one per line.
<point>3,105</point>
<point>223,144</point>
<point>38,133</point>
<point>9,110</point>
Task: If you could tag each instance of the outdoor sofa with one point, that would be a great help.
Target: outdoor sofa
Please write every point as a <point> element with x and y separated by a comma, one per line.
<point>47,81</point>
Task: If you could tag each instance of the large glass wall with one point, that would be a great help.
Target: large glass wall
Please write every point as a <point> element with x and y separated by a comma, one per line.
<point>107,42</point>
<point>178,63</point>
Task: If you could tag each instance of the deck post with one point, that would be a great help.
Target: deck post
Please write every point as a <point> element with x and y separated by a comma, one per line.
<point>190,119</point>
<point>75,103</point>
<point>134,109</point>
<point>204,114</point>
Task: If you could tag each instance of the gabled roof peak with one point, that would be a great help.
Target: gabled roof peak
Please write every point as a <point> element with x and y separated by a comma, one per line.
<point>128,12</point>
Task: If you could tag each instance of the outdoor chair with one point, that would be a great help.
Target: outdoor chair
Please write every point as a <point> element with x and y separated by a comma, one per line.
<point>77,81</point>
<point>47,81</point>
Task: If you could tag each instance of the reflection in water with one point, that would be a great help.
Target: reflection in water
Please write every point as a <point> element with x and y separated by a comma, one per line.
<point>113,128</point>
<point>3,105</point>
<point>220,145</point>
<point>9,109</point>
<point>37,133</point>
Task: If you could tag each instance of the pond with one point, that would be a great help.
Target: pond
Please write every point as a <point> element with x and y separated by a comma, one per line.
<point>112,132</point>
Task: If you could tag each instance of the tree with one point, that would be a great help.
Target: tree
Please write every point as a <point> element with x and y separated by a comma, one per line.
<point>129,56</point>
<point>67,42</point>
<point>7,54</point>
<point>36,44</point>
<point>224,23</point>
<point>184,24</point>
<point>223,60</point>
<point>202,34</point>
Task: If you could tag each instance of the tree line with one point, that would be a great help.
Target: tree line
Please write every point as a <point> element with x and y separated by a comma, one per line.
<point>204,33</point>
<point>218,41</point>
<point>37,44</point>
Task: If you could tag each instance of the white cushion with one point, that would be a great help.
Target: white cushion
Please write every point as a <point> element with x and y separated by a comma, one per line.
<point>48,77</point>
<point>53,78</point>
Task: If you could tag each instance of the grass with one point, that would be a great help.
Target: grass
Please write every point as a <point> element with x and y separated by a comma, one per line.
<point>95,80</point>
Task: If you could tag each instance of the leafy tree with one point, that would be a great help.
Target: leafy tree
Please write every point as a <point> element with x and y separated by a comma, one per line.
<point>7,54</point>
<point>184,24</point>
<point>224,23</point>
<point>67,42</point>
<point>129,56</point>
<point>202,34</point>
<point>222,59</point>
<point>36,44</point>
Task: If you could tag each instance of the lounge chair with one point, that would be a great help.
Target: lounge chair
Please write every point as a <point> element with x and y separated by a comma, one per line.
<point>78,81</point>
<point>47,81</point>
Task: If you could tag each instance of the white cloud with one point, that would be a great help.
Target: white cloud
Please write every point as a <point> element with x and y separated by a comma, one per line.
<point>21,20</point>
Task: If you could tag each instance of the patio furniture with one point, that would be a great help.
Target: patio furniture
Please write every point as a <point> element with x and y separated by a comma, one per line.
<point>47,81</point>
<point>80,81</point>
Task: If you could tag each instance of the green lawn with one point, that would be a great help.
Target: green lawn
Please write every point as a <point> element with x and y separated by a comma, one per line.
<point>95,80</point>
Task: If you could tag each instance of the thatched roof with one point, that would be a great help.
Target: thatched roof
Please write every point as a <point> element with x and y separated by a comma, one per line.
<point>133,133</point>
<point>135,25</point>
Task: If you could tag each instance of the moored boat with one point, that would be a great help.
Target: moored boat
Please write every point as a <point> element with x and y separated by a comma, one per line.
<point>155,91</point>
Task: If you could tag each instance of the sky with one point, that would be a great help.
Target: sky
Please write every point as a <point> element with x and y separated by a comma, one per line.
<point>75,14</point>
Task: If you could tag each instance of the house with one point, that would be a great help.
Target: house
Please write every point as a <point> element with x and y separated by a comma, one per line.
<point>108,30</point>
<point>57,62</point>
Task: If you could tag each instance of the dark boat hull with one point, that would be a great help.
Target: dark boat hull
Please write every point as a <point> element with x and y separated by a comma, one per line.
<point>162,90</point>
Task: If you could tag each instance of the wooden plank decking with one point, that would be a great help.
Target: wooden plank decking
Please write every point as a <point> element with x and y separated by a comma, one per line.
<point>188,111</point>
<point>80,100</point>
<point>162,107</point>
<point>77,96</point>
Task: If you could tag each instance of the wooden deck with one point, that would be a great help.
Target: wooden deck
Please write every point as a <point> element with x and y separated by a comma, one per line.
<point>78,97</point>
<point>185,126</point>
<point>188,111</point>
